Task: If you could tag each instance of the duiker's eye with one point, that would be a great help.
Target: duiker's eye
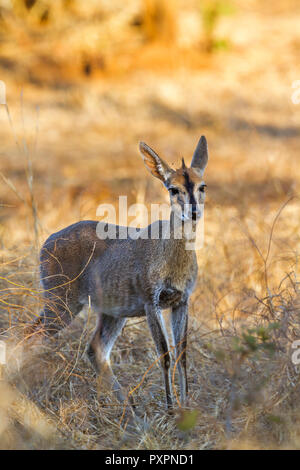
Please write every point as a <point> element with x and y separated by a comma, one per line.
<point>174,191</point>
<point>202,188</point>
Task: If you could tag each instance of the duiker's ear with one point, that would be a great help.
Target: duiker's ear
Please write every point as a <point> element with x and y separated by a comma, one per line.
<point>154,163</point>
<point>200,157</point>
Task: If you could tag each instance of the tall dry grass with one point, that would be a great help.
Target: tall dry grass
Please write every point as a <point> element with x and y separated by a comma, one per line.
<point>82,151</point>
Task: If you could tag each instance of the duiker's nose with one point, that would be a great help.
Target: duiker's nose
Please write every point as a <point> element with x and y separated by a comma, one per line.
<point>194,210</point>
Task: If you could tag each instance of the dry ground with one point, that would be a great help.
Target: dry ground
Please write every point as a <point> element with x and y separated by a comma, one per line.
<point>82,144</point>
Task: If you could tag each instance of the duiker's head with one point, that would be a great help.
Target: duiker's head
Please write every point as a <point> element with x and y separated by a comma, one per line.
<point>185,185</point>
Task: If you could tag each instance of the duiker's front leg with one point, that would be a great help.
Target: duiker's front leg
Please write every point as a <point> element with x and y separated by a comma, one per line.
<point>179,327</point>
<point>157,328</point>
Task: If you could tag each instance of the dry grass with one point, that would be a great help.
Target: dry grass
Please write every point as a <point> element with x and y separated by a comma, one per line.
<point>80,149</point>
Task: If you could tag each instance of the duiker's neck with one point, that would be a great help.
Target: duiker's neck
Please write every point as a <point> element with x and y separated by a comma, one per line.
<point>182,232</point>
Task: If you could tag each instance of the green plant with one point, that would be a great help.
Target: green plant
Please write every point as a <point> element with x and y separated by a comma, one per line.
<point>211,11</point>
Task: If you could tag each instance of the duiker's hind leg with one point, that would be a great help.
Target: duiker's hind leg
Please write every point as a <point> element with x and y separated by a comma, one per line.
<point>60,269</point>
<point>105,335</point>
<point>53,319</point>
<point>60,308</point>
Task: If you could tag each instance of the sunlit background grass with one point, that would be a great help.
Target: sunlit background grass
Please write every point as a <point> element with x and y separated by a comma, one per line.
<point>85,81</point>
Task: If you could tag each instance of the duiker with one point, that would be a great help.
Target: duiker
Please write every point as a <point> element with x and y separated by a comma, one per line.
<point>131,277</point>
